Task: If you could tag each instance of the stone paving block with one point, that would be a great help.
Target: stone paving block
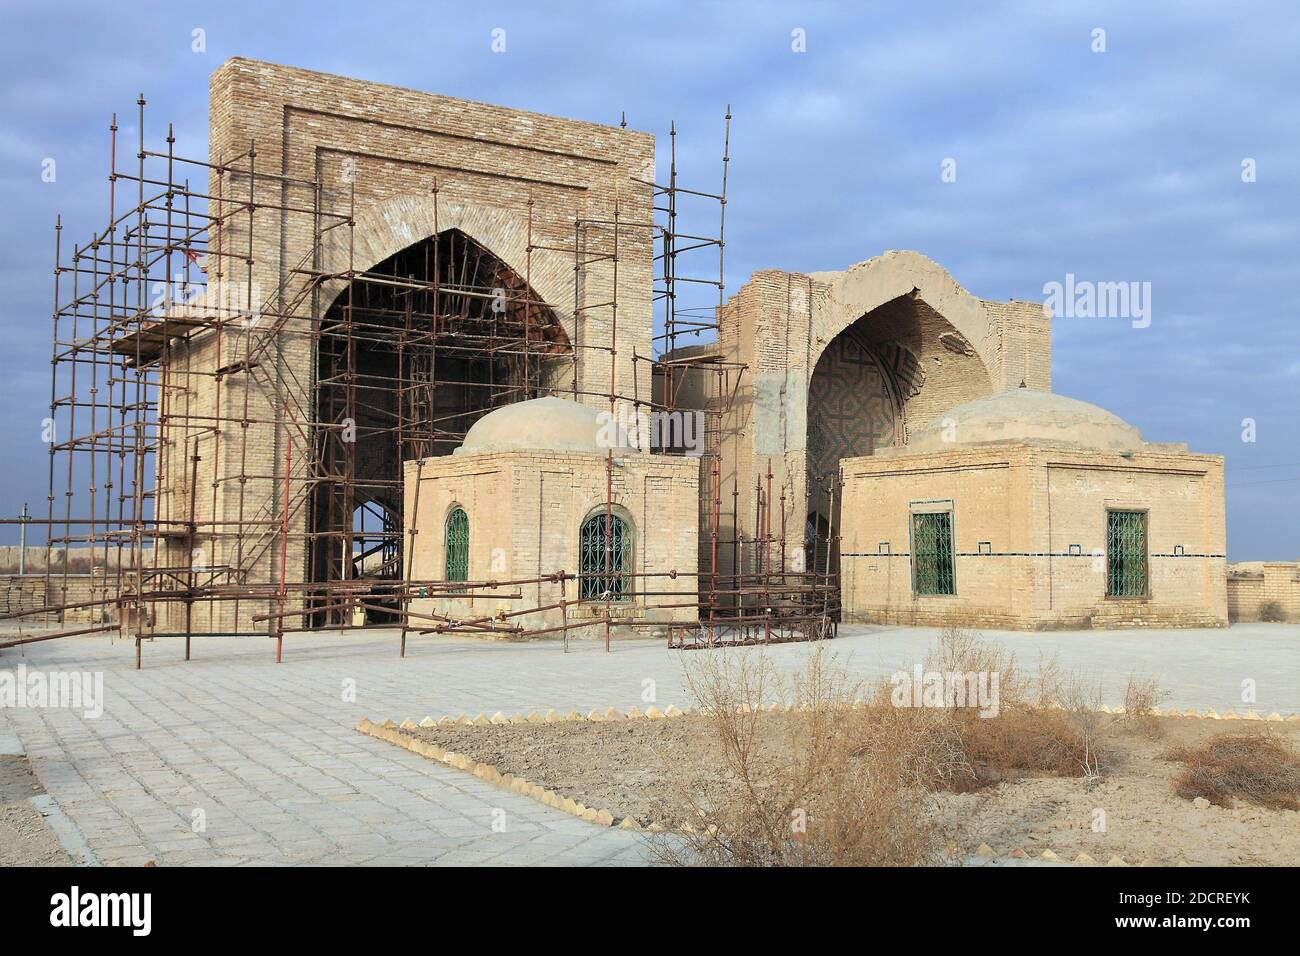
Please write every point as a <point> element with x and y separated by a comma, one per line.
<point>272,755</point>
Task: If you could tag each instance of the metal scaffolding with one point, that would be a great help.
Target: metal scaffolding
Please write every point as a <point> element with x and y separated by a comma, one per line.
<point>193,497</point>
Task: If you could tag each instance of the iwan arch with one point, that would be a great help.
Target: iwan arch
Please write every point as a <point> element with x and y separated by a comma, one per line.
<point>846,363</point>
<point>420,256</point>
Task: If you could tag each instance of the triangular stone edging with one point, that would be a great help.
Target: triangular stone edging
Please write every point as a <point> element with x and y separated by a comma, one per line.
<point>392,733</point>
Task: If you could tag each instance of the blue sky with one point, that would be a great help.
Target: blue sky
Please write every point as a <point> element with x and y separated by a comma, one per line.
<point>1124,165</point>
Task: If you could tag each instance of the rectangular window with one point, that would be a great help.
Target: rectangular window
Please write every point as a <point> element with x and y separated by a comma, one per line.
<point>1126,554</point>
<point>932,553</point>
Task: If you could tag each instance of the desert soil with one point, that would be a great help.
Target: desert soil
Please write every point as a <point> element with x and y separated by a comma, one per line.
<point>636,767</point>
<point>25,840</point>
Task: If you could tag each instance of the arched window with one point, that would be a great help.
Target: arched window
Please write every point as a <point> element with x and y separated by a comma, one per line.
<point>457,545</point>
<point>605,559</point>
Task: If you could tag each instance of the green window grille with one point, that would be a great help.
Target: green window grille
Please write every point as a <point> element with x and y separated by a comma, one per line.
<point>932,553</point>
<point>1126,554</point>
<point>604,559</point>
<point>457,541</point>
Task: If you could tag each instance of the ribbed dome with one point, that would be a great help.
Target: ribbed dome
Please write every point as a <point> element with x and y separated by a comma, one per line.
<point>1024,414</point>
<point>545,424</point>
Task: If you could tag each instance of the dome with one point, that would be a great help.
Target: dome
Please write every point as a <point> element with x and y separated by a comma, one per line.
<point>1027,415</point>
<point>546,424</point>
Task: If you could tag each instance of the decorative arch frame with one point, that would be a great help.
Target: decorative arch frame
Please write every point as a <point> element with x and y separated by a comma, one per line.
<point>386,228</point>
<point>865,287</point>
<point>896,393</point>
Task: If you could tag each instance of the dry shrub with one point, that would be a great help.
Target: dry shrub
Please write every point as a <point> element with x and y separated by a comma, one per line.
<point>1272,612</point>
<point>1045,724</point>
<point>1142,699</point>
<point>1259,768</point>
<point>826,784</point>
<point>1028,741</point>
<point>846,776</point>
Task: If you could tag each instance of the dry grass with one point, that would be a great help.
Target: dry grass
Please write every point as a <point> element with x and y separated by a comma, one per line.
<point>1272,612</point>
<point>833,788</point>
<point>1047,724</point>
<point>1142,699</point>
<point>852,777</point>
<point>1256,767</point>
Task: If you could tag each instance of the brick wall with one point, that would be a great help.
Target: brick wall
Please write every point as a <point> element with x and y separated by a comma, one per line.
<point>1029,529</point>
<point>525,510</point>
<point>377,152</point>
<point>28,592</point>
<point>1263,588</point>
<point>779,323</point>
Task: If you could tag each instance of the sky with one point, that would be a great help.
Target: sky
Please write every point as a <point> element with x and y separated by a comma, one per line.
<point>1014,143</point>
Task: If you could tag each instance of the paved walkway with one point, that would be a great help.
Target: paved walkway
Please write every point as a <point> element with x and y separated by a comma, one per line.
<point>265,756</point>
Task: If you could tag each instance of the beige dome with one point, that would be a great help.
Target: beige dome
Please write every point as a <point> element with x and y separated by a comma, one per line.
<point>546,424</point>
<point>1027,415</point>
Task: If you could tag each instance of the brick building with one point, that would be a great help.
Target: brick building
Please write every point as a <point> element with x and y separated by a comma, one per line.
<point>334,190</point>
<point>418,280</point>
<point>533,490</point>
<point>1030,510</point>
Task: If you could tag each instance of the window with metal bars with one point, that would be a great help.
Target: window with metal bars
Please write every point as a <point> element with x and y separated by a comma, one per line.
<point>932,571</point>
<point>605,559</point>
<point>457,545</point>
<point>1126,554</point>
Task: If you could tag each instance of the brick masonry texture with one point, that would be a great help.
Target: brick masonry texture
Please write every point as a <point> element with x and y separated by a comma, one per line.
<point>385,168</point>
<point>780,323</point>
<point>525,511</point>
<point>1039,513</point>
<point>379,151</point>
<point>1258,589</point>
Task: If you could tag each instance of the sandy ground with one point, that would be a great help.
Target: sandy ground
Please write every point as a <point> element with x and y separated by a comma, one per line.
<point>25,840</point>
<point>619,766</point>
<point>1143,818</point>
<point>631,767</point>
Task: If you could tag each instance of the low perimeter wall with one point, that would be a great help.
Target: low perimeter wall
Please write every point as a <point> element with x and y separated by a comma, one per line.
<point>28,592</point>
<point>1264,590</point>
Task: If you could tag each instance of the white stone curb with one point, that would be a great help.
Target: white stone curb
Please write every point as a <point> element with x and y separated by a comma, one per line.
<point>399,735</point>
<point>986,852</point>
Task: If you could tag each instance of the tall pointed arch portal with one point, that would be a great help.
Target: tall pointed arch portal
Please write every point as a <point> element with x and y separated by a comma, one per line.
<point>411,353</point>
<point>856,400</point>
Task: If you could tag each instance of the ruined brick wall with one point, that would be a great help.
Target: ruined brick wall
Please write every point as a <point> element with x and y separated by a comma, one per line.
<point>780,323</point>
<point>1025,345</point>
<point>28,592</point>
<point>377,152</point>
